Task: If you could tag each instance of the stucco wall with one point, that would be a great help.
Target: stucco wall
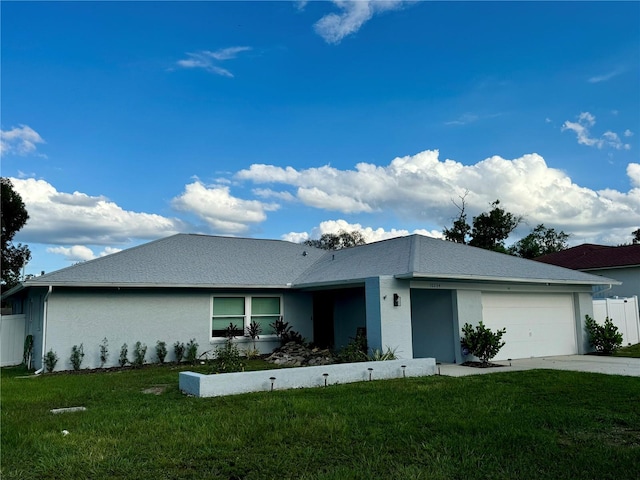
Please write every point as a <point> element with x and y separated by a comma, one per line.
<point>432,324</point>
<point>128,316</point>
<point>348,315</point>
<point>630,278</point>
<point>388,323</point>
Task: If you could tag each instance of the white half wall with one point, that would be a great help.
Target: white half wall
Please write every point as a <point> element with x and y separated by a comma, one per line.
<point>304,377</point>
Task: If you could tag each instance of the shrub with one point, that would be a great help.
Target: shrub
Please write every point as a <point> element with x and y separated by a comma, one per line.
<point>380,356</point>
<point>178,349</point>
<point>253,331</point>
<point>139,352</point>
<point>191,351</point>
<point>355,351</point>
<point>50,360</point>
<point>481,342</point>
<point>161,351</point>
<point>104,351</point>
<point>77,354</point>
<point>27,351</point>
<point>604,338</point>
<point>124,350</point>
<point>227,358</point>
<point>280,327</point>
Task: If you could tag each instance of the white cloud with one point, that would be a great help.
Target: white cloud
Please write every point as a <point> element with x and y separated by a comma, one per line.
<point>80,253</point>
<point>334,27</point>
<point>628,133</point>
<point>207,60</point>
<point>369,234</point>
<point>421,187</point>
<point>581,129</point>
<point>633,172</point>
<point>220,210</point>
<point>20,140</point>
<point>77,218</point>
<point>606,76</point>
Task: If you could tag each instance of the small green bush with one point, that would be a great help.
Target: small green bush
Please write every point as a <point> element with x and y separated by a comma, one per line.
<point>139,352</point>
<point>161,351</point>
<point>77,354</point>
<point>50,360</point>
<point>191,351</point>
<point>178,350</point>
<point>605,338</point>
<point>380,356</point>
<point>481,342</point>
<point>355,351</point>
<point>227,358</point>
<point>104,352</point>
<point>124,351</point>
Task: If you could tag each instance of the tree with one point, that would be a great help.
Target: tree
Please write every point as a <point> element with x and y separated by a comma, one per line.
<point>490,230</point>
<point>541,241</point>
<point>460,230</point>
<point>337,241</point>
<point>636,236</point>
<point>14,217</point>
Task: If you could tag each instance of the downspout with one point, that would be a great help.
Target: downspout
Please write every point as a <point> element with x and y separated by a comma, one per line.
<point>44,328</point>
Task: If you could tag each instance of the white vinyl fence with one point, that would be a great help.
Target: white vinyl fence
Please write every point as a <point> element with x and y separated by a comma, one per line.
<point>12,334</point>
<point>623,312</point>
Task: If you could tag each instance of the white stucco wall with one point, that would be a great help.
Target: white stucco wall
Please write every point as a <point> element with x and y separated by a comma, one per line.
<point>389,325</point>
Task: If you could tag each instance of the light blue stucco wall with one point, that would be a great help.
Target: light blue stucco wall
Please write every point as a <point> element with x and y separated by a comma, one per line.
<point>349,314</point>
<point>128,316</point>
<point>432,324</point>
<point>630,278</point>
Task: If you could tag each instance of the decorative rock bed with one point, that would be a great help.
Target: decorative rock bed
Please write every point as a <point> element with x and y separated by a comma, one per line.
<point>296,355</point>
<point>305,377</point>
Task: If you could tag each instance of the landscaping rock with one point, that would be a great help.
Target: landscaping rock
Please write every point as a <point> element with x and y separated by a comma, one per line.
<point>294,354</point>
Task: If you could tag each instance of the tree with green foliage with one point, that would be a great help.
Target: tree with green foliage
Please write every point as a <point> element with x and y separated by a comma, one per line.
<point>541,241</point>
<point>14,217</point>
<point>337,241</point>
<point>489,230</point>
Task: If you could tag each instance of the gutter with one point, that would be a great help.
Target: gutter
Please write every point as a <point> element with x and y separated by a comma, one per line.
<point>44,328</point>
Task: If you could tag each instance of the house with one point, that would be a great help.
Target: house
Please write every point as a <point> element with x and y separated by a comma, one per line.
<point>621,263</point>
<point>412,294</point>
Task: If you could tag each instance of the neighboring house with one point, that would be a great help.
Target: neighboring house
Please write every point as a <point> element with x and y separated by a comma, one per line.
<point>412,294</point>
<point>620,263</point>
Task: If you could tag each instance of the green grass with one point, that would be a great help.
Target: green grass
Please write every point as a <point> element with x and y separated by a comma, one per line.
<point>529,425</point>
<point>630,351</point>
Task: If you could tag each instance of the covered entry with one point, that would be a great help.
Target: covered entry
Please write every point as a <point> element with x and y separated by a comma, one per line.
<point>538,324</point>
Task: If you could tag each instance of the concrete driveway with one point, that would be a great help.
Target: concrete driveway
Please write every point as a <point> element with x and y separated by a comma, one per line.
<point>577,363</point>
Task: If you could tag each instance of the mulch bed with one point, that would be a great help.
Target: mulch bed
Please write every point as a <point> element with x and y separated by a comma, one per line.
<point>481,365</point>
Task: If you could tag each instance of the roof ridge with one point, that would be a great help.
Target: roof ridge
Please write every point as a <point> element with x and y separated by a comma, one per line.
<point>414,253</point>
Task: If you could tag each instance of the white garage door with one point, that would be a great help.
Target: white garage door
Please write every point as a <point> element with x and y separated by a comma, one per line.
<point>538,325</point>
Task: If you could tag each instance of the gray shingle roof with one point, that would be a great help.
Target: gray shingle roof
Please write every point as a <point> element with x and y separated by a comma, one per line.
<point>417,256</point>
<point>187,260</point>
<point>193,260</point>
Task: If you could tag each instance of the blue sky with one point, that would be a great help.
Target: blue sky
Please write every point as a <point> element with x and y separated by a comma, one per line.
<point>123,122</point>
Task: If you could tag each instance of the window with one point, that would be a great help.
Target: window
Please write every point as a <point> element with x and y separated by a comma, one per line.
<point>240,311</point>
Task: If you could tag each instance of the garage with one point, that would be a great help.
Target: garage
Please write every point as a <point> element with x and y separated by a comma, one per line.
<point>538,325</point>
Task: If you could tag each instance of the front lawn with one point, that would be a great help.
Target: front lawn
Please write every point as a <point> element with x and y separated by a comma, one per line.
<point>529,425</point>
<point>630,351</point>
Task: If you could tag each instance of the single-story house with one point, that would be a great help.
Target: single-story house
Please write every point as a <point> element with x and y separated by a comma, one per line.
<point>412,294</point>
<point>621,263</point>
